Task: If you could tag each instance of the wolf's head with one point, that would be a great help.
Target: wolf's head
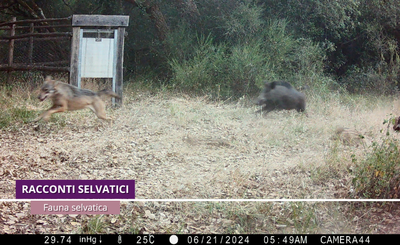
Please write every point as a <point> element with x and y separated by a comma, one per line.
<point>48,89</point>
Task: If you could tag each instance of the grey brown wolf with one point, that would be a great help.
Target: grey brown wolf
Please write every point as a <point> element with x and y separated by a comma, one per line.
<point>68,97</point>
<point>280,95</point>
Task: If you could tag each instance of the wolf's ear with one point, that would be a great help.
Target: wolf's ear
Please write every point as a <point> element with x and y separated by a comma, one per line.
<point>49,79</point>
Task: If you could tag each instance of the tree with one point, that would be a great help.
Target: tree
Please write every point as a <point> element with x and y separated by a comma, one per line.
<point>152,8</point>
<point>27,9</point>
<point>188,10</point>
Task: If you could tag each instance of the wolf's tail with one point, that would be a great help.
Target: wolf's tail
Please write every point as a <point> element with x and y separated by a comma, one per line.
<point>108,93</point>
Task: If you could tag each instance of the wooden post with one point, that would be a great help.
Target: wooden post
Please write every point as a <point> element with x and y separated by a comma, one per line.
<point>30,51</point>
<point>74,66</point>
<point>119,65</point>
<point>11,50</point>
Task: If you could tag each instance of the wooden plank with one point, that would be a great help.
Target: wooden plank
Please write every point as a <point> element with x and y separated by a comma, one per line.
<point>30,51</point>
<point>100,20</point>
<point>119,76</point>
<point>16,67</point>
<point>34,21</point>
<point>48,63</point>
<point>36,27</point>
<point>74,65</point>
<point>52,34</point>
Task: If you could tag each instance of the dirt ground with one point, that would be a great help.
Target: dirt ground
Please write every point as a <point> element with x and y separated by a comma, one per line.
<point>176,147</point>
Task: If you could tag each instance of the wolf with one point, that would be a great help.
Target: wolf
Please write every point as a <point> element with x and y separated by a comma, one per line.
<point>68,97</point>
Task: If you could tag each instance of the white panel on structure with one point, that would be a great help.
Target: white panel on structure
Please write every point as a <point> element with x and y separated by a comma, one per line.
<point>97,58</point>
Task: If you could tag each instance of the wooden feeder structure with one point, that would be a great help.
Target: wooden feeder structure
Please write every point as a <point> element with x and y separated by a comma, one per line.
<point>97,49</point>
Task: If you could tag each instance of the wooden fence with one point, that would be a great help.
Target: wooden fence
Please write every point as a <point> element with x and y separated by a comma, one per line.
<point>42,45</point>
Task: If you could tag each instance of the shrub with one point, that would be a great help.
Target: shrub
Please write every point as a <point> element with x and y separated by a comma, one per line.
<point>378,175</point>
<point>240,68</point>
<point>13,115</point>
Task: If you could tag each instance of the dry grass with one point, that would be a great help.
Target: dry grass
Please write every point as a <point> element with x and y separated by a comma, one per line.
<point>212,218</point>
<point>180,147</point>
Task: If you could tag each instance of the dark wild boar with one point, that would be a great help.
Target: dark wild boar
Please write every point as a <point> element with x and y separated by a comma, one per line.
<point>281,95</point>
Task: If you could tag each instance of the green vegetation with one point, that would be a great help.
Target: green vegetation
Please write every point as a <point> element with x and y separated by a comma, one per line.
<point>377,175</point>
<point>227,49</point>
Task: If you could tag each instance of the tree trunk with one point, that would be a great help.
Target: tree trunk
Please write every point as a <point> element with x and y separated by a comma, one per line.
<point>153,10</point>
<point>188,10</point>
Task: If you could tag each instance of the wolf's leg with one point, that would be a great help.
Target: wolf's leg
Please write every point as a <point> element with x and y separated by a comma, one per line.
<point>98,107</point>
<point>54,109</point>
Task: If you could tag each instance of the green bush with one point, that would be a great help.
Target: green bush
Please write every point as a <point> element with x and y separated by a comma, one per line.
<point>196,73</point>
<point>220,70</point>
<point>243,22</point>
<point>16,115</point>
<point>227,69</point>
<point>378,175</point>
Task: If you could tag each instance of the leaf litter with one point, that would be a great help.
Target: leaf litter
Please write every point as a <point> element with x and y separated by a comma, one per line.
<point>174,148</point>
